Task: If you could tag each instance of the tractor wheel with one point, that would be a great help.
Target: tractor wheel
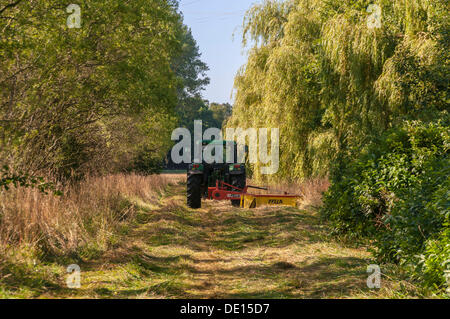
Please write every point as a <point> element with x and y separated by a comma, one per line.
<point>194,191</point>
<point>238,181</point>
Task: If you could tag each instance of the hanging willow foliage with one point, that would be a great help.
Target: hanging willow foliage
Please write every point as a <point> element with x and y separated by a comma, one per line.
<point>330,83</point>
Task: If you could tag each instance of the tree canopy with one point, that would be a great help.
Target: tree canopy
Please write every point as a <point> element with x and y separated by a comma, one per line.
<point>94,98</point>
<point>331,83</point>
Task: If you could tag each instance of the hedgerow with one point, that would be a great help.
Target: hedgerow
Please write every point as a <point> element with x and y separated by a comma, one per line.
<point>397,192</point>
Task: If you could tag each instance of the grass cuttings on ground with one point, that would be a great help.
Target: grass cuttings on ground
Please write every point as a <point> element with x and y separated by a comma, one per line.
<point>169,251</point>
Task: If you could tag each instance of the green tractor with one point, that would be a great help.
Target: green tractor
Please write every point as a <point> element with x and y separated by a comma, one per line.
<point>202,177</point>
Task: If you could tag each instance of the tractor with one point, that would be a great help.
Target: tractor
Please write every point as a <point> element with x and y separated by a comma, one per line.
<point>203,177</point>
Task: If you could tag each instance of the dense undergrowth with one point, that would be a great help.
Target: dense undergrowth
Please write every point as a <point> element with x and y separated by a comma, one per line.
<point>397,192</point>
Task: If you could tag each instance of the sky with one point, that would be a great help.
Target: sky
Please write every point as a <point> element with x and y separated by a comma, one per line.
<point>213,23</point>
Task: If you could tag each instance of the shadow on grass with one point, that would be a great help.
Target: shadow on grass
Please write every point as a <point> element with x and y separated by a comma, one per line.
<point>206,266</point>
<point>20,277</point>
<point>326,278</point>
<point>226,230</point>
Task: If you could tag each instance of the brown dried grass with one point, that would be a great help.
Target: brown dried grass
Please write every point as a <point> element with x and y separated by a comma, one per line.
<point>87,213</point>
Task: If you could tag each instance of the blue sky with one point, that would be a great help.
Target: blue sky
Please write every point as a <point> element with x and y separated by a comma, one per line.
<point>213,23</point>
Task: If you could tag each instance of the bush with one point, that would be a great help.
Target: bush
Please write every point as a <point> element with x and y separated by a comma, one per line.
<point>420,213</point>
<point>397,193</point>
<point>434,264</point>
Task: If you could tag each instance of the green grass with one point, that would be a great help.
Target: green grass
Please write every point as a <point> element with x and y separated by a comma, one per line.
<point>219,251</point>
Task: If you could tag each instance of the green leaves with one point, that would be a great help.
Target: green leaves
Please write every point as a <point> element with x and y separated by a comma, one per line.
<point>8,179</point>
<point>63,92</point>
<point>368,105</point>
<point>331,84</point>
<point>397,193</point>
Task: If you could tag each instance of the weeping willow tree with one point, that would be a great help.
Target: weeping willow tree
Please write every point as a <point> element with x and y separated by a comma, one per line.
<point>331,83</point>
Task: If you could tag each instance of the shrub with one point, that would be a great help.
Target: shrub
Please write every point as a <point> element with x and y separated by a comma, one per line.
<point>397,193</point>
<point>434,264</point>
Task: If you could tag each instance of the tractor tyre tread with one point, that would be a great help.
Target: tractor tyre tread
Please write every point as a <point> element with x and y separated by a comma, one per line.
<point>194,191</point>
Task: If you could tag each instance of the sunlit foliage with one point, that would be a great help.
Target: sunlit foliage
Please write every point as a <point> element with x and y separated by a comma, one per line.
<point>331,83</point>
<point>367,106</point>
<point>93,99</point>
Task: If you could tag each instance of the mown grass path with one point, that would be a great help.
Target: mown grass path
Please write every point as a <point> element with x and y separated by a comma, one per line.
<point>225,252</point>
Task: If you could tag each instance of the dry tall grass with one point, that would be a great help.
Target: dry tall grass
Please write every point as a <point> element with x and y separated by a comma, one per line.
<point>86,214</point>
<point>312,192</point>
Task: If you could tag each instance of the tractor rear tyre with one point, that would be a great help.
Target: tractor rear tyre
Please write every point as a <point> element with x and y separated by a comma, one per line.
<point>238,181</point>
<point>194,191</point>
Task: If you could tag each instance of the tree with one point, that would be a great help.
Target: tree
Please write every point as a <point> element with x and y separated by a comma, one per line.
<point>221,113</point>
<point>69,96</point>
<point>191,72</point>
<point>331,83</point>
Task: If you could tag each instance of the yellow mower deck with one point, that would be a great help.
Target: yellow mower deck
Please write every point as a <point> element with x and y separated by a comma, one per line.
<point>254,201</point>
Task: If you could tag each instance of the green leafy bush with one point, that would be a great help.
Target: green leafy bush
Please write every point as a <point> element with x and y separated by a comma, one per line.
<point>397,193</point>
<point>434,264</point>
